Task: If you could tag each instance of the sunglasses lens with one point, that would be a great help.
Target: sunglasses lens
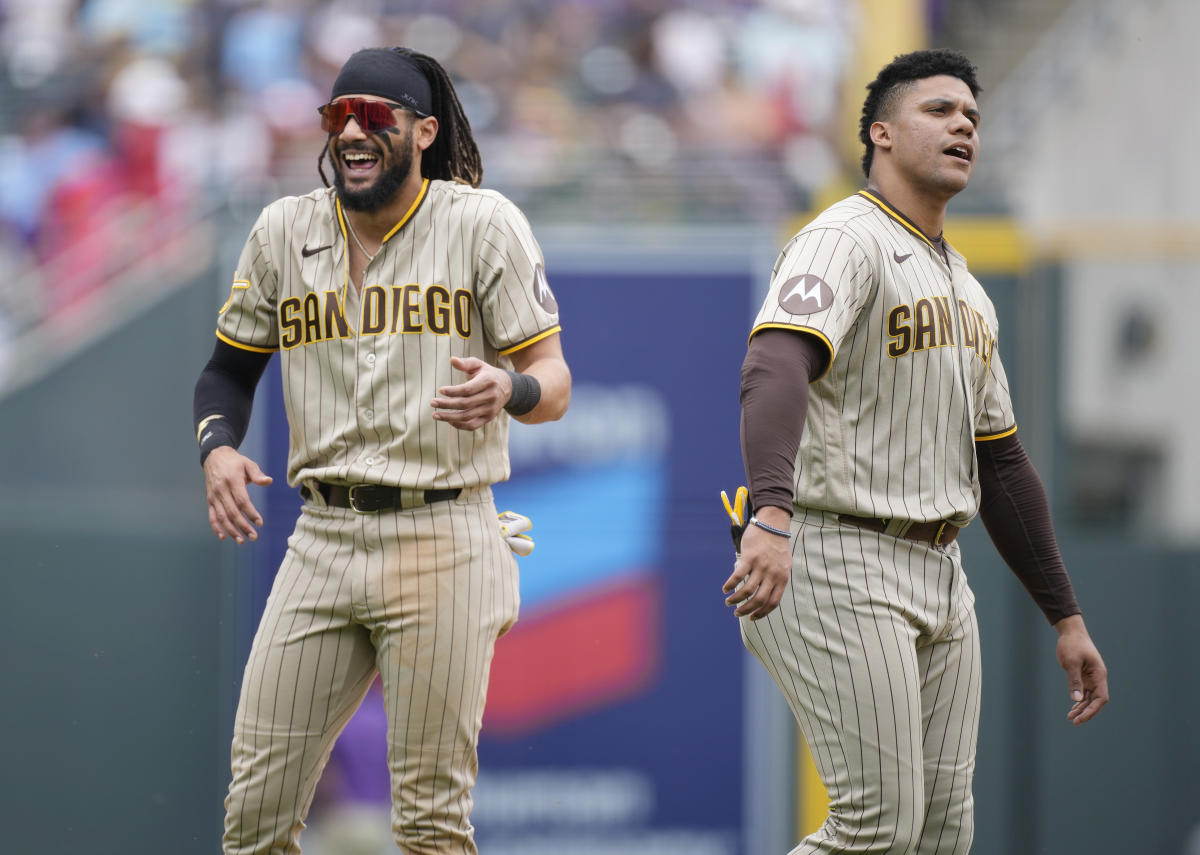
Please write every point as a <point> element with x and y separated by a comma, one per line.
<point>333,117</point>
<point>376,116</point>
<point>371,116</point>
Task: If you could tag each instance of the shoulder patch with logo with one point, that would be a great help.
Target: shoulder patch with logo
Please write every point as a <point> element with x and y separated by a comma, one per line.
<point>542,292</point>
<point>805,295</point>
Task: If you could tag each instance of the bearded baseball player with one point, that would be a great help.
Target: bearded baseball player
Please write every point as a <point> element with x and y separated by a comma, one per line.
<point>876,423</point>
<point>412,317</point>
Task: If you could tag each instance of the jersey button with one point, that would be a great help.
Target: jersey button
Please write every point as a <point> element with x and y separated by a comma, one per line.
<point>370,414</point>
<point>370,359</point>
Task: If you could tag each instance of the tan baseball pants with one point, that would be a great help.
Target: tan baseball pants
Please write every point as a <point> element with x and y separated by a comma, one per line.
<point>419,596</point>
<point>876,648</point>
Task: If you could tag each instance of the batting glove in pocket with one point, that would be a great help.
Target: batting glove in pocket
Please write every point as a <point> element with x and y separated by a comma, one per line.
<point>739,514</point>
<point>512,528</point>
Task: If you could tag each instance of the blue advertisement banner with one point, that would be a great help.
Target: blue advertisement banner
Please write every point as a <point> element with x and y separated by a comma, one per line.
<point>614,718</point>
<point>614,721</point>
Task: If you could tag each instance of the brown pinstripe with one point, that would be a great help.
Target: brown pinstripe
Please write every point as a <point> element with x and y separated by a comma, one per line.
<point>459,238</point>
<point>888,436</point>
<point>875,646</point>
<point>419,595</point>
<point>875,643</point>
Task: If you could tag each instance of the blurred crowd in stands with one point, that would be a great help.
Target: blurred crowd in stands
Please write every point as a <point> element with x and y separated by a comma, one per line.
<point>585,111</point>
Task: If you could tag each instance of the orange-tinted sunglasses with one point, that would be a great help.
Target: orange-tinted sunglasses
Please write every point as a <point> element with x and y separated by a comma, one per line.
<point>372,116</point>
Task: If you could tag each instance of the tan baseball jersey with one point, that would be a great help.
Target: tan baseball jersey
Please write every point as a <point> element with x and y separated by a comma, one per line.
<point>914,379</point>
<point>460,275</point>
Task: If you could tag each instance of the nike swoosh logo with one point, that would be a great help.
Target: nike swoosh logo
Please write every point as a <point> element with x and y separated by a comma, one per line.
<point>901,258</point>
<point>307,251</point>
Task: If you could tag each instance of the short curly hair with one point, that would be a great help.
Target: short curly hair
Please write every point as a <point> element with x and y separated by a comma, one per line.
<point>893,79</point>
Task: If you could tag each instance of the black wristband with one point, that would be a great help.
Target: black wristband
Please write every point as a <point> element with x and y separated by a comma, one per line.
<point>526,392</point>
<point>213,432</point>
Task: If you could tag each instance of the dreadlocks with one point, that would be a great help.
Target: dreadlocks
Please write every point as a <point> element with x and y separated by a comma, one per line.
<point>453,155</point>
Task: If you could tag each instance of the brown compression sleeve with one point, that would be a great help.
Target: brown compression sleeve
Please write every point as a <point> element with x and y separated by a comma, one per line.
<point>1017,518</point>
<point>778,367</point>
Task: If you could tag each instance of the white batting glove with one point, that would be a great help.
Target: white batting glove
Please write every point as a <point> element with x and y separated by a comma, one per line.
<point>512,528</point>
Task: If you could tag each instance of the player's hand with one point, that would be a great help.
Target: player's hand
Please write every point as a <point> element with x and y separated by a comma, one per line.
<point>1087,678</point>
<point>472,404</point>
<point>230,511</point>
<point>762,569</point>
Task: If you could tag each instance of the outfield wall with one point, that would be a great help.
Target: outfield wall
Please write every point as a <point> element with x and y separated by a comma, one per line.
<point>124,623</point>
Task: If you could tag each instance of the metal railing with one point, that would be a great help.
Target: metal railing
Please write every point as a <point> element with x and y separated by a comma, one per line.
<point>142,253</point>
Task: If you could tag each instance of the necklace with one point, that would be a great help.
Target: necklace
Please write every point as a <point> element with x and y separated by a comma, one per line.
<point>370,256</point>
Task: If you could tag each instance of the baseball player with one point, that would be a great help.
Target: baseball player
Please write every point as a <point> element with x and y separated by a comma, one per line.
<point>412,317</point>
<point>876,423</point>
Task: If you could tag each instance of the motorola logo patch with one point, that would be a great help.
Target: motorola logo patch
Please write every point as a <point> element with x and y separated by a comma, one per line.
<point>542,292</point>
<point>805,295</point>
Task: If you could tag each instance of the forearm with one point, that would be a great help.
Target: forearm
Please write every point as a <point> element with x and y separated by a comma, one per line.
<point>1016,514</point>
<point>553,378</point>
<point>544,366</point>
<point>224,396</point>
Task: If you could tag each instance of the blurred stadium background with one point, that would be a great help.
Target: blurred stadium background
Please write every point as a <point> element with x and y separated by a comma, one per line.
<point>663,152</point>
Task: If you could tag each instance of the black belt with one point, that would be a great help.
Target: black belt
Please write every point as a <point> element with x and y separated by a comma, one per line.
<point>938,533</point>
<point>372,498</point>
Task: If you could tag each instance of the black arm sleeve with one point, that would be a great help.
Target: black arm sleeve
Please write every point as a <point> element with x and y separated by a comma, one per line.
<point>778,367</point>
<point>224,396</point>
<point>1016,515</point>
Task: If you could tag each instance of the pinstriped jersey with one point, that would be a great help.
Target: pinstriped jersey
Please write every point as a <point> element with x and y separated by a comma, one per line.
<point>913,380</point>
<point>460,275</point>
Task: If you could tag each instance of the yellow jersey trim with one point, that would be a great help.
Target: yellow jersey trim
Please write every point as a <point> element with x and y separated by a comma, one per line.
<point>1000,435</point>
<point>898,218</point>
<point>554,329</point>
<point>797,328</point>
<point>248,347</point>
<point>337,203</point>
<point>238,285</point>
<point>412,210</point>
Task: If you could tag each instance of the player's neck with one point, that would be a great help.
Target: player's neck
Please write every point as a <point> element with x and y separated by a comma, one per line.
<point>926,210</point>
<point>374,226</point>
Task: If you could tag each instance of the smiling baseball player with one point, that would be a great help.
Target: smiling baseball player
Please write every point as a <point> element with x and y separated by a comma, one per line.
<point>876,422</point>
<point>413,317</point>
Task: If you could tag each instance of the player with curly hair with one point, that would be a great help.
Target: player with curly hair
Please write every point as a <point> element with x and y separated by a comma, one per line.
<point>876,423</point>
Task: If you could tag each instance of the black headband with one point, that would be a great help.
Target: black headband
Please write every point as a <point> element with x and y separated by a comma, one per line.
<point>386,74</point>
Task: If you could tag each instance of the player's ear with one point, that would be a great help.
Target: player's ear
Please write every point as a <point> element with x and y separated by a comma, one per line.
<point>881,135</point>
<point>425,132</point>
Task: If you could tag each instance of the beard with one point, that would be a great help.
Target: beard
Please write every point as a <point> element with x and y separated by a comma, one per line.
<point>381,191</point>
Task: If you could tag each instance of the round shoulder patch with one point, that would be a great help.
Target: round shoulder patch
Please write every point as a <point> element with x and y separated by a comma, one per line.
<point>805,295</point>
<point>542,292</point>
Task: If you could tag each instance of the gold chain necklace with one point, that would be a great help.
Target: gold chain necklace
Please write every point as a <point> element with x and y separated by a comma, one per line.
<point>353,234</point>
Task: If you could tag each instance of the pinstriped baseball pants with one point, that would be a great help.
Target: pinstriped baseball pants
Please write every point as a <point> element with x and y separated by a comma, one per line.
<point>876,648</point>
<point>418,596</point>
